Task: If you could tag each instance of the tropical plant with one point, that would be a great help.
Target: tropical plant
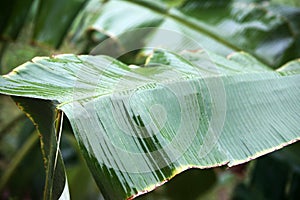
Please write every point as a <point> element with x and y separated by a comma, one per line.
<point>170,85</point>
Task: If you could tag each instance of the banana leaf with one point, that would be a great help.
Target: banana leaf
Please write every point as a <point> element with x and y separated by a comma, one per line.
<point>266,30</point>
<point>138,127</point>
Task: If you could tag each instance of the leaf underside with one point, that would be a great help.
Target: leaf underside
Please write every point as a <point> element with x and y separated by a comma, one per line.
<point>43,114</point>
<point>138,127</point>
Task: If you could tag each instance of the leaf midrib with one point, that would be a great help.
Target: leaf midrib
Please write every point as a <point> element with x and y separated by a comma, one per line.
<point>185,22</point>
<point>197,27</point>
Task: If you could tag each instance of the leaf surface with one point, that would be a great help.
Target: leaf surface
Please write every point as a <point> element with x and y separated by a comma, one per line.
<point>256,27</point>
<point>140,126</point>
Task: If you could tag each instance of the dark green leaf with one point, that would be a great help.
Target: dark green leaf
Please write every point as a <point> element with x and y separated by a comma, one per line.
<point>54,18</point>
<point>221,26</point>
<point>44,116</point>
<point>13,14</point>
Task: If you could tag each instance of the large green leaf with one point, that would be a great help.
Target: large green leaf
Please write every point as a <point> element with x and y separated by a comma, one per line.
<point>221,26</point>
<point>138,127</point>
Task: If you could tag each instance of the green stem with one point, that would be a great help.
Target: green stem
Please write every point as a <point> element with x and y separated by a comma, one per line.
<point>20,155</point>
<point>58,131</point>
<point>197,27</point>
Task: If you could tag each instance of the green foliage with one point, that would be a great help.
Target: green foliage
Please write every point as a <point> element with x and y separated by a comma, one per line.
<point>221,88</point>
<point>103,114</point>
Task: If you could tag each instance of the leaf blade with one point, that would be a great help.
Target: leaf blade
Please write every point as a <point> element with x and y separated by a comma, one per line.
<point>254,27</point>
<point>138,128</point>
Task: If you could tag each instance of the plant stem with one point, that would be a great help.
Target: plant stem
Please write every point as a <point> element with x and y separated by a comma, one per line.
<point>197,27</point>
<point>185,22</point>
